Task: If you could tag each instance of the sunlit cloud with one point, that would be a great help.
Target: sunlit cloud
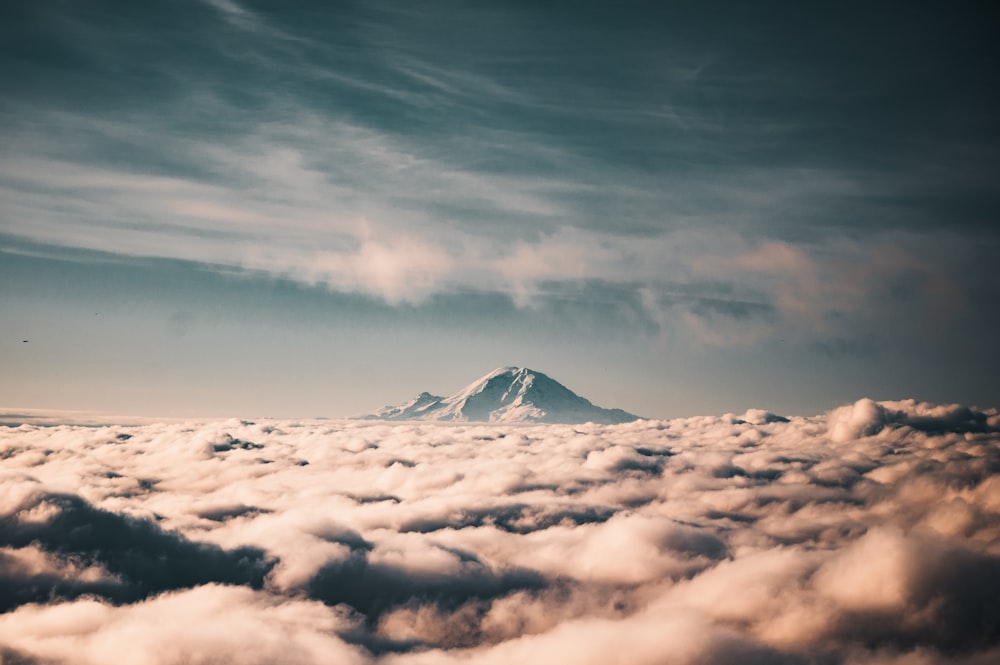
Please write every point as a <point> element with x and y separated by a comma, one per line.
<point>869,533</point>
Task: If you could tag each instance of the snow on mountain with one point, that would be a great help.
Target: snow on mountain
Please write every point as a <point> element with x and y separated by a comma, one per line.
<point>506,395</point>
<point>412,410</point>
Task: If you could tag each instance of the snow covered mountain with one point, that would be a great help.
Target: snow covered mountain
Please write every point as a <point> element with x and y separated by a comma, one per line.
<point>506,395</point>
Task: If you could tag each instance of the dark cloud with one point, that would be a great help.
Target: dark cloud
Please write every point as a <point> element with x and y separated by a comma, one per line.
<point>514,518</point>
<point>23,581</point>
<point>372,588</point>
<point>232,512</point>
<point>12,657</point>
<point>138,557</point>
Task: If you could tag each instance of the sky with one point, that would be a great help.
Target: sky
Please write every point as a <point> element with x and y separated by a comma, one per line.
<point>302,209</point>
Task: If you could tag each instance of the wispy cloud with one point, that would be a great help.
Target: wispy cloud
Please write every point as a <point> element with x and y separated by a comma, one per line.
<point>403,154</point>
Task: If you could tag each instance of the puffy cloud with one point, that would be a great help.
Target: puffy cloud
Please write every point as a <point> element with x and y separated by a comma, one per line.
<point>867,417</point>
<point>123,558</point>
<point>208,624</point>
<point>869,534</point>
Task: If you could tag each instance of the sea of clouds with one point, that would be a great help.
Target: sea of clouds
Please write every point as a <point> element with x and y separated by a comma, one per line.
<point>867,535</point>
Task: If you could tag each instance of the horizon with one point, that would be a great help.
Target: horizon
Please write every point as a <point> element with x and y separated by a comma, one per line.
<point>13,415</point>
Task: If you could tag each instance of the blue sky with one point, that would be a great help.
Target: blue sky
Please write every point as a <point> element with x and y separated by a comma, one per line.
<point>224,207</point>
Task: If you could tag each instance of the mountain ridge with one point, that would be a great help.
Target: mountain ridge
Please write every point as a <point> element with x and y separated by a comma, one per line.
<point>505,395</point>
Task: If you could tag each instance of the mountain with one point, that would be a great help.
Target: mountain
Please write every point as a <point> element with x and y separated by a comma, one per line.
<point>505,395</point>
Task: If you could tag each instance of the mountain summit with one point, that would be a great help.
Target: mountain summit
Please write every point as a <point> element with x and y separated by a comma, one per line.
<point>506,395</point>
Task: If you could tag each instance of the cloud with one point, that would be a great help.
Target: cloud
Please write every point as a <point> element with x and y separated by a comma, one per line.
<point>58,545</point>
<point>208,624</point>
<point>829,290</point>
<point>471,196</point>
<point>869,534</point>
<point>867,417</point>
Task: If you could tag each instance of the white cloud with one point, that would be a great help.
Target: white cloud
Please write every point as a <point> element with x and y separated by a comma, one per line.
<point>871,532</point>
<point>207,624</point>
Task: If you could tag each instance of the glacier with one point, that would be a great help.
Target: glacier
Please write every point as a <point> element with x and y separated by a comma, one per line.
<point>506,395</point>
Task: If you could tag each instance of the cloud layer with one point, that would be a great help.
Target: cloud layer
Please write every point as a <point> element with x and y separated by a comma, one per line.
<point>867,535</point>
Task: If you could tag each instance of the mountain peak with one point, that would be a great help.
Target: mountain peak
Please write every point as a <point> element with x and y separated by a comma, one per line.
<point>507,394</point>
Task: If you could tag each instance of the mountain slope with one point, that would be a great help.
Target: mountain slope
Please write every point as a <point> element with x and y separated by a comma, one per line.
<point>506,395</point>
